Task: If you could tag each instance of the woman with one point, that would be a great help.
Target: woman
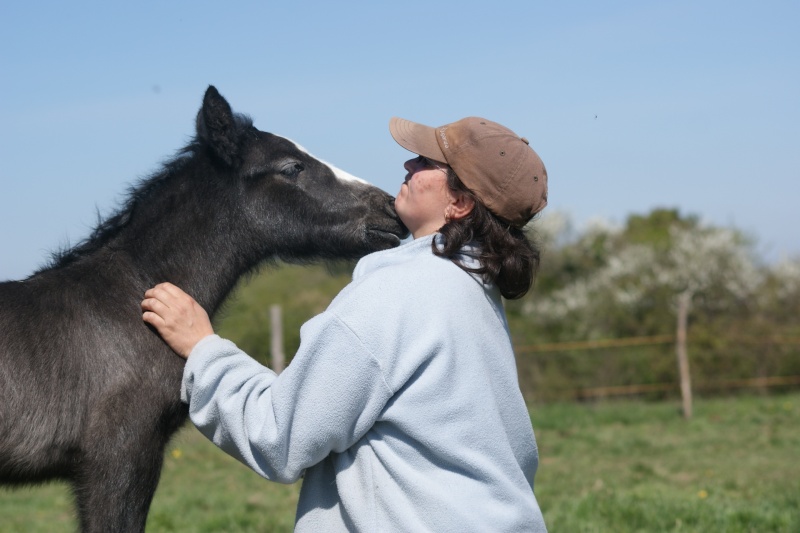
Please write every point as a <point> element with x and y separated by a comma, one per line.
<point>401,408</point>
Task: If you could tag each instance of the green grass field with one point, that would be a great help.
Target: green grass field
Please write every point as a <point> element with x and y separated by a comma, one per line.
<point>609,467</point>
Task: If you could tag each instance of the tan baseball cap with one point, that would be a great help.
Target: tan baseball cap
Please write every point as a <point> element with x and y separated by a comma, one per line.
<point>495,163</point>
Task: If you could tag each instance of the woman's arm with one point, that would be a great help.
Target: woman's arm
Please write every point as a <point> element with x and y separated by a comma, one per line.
<point>325,400</point>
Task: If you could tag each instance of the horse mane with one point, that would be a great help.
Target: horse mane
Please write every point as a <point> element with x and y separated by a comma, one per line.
<point>107,229</point>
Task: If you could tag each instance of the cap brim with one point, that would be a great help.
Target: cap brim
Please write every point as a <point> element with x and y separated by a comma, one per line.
<point>416,138</point>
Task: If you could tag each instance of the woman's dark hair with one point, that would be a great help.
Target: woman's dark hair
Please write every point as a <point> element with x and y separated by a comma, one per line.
<point>506,257</point>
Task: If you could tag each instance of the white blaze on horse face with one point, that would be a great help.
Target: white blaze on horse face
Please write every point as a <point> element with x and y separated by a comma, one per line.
<point>339,173</point>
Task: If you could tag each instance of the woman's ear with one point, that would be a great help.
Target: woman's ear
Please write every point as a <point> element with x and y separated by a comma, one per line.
<point>460,206</point>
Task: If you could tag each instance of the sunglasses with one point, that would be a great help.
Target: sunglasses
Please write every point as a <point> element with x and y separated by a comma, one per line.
<point>422,163</point>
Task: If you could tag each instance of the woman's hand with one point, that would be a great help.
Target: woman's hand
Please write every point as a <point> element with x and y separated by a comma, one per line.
<point>179,319</point>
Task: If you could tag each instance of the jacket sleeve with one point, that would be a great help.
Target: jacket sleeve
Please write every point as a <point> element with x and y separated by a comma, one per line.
<point>279,425</point>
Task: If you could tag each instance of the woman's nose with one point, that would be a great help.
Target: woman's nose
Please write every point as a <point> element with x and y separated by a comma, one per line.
<point>409,165</point>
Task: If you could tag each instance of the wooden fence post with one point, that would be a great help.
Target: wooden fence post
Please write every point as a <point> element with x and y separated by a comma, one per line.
<point>278,359</point>
<point>684,300</point>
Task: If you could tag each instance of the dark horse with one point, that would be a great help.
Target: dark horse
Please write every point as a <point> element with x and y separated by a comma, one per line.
<point>88,393</point>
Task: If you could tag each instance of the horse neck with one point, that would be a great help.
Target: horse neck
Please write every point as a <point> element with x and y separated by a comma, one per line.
<point>196,243</point>
<point>204,268</point>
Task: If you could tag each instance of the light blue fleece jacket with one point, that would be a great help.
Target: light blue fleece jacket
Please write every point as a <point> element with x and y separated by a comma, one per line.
<point>401,407</point>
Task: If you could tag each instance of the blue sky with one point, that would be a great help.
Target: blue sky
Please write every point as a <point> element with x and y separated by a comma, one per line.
<point>631,104</point>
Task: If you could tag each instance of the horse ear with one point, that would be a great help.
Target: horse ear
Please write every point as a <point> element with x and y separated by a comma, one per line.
<point>217,126</point>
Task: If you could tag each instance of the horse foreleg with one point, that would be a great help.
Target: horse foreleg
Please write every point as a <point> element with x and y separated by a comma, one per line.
<point>114,488</point>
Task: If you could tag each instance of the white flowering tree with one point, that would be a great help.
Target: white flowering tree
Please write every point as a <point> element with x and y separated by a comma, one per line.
<point>698,260</point>
<point>681,260</point>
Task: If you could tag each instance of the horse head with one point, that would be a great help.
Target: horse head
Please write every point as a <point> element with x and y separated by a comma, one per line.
<point>298,206</point>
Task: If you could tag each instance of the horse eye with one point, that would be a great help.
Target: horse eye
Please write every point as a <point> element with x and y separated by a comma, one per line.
<point>292,169</point>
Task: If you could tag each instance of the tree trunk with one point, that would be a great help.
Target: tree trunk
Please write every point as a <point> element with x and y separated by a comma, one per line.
<point>684,301</point>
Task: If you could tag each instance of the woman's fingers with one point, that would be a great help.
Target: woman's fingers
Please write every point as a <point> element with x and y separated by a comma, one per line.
<point>155,305</point>
<point>168,301</point>
<point>172,290</point>
<point>165,292</point>
<point>153,319</point>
